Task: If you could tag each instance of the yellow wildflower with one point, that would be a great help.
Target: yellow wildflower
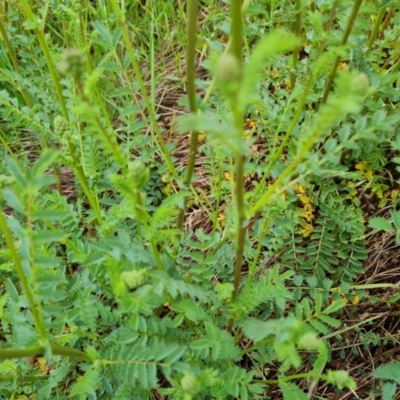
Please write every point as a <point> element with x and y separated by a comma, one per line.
<point>356,300</point>
<point>307,230</point>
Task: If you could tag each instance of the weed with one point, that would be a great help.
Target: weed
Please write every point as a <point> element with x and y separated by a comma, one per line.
<point>208,253</point>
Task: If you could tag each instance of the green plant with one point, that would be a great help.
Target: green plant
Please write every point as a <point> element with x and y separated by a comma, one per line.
<point>388,372</point>
<point>105,291</point>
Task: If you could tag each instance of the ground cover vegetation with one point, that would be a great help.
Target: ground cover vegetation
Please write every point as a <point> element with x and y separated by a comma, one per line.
<point>199,199</point>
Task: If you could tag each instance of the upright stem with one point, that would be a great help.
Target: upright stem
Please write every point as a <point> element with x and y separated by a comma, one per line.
<point>386,23</point>
<point>37,317</point>
<point>43,44</point>
<point>192,7</point>
<point>236,36</point>
<point>297,31</point>
<point>349,27</point>
<point>375,30</point>
<point>54,77</point>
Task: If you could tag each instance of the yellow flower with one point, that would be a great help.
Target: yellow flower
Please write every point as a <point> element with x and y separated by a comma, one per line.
<point>281,193</point>
<point>304,198</point>
<point>307,230</point>
<point>356,300</point>
<point>201,136</point>
<point>250,124</point>
<point>221,218</point>
<point>42,364</point>
<point>368,174</point>
<point>308,216</point>
<point>361,166</point>
<point>228,177</point>
<point>299,189</point>
<point>308,207</point>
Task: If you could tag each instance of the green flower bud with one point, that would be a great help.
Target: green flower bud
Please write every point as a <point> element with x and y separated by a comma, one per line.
<point>340,379</point>
<point>360,84</point>
<point>134,278</point>
<point>188,382</point>
<point>73,63</point>
<point>78,6</point>
<point>228,68</point>
<point>309,341</point>
<point>61,125</point>
<point>224,290</point>
<point>63,13</point>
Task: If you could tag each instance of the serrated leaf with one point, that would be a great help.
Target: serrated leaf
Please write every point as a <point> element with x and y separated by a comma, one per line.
<point>388,371</point>
<point>319,326</point>
<point>329,320</point>
<point>142,375</point>
<point>48,215</point>
<point>12,290</point>
<point>152,375</point>
<point>175,355</point>
<point>163,352</point>
<point>87,384</point>
<point>312,281</point>
<point>385,3</point>
<point>200,344</point>
<point>389,389</point>
<point>16,173</point>
<point>292,392</point>
<point>244,394</point>
<point>48,157</point>
<point>396,218</point>
<point>13,201</point>
<point>103,31</point>
<point>48,236</point>
<point>380,223</point>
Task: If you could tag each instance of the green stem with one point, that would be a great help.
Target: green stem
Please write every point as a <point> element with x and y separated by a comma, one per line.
<point>375,30</point>
<point>143,216</point>
<point>23,379</point>
<point>260,238</point>
<point>236,35</point>
<point>92,199</point>
<point>386,22</point>
<point>349,27</point>
<point>56,349</point>
<point>43,44</point>
<point>38,319</point>
<point>192,7</point>
<point>211,86</point>
<point>297,31</point>
<point>285,378</point>
<point>352,327</point>
<point>394,67</point>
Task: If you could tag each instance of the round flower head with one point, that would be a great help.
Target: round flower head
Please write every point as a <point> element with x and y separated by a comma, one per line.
<point>73,63</point>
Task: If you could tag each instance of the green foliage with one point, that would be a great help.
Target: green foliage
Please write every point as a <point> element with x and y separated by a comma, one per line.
<point>102,290</point>
<point>389,372</point>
